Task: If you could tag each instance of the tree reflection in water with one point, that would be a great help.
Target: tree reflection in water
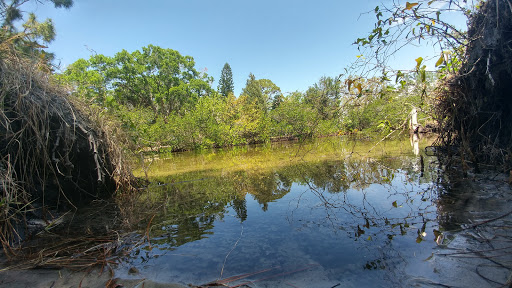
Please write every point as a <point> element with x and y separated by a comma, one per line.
<point>383,203</point>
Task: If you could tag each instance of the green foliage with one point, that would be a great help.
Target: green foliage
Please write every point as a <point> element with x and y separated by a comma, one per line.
<point>423,22</point>
<point>11,11</point>
<point>414,23</point>
<point>31,40</point>
<point>383,108</point>
<point>156,78</point>
<point>294,118</point>
<point>449,61</point>
<point>164,102</point>
<point>262,93</point>
<point>325,96</point>
<point>226,85</point>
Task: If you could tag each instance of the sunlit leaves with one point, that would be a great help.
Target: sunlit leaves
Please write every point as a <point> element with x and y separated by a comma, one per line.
<point>418,22</point>
<point>154,77</point>
<point>385,127</point>
<point>399,76</point>
<point>440,61</point>
<point>418,60</point>
<point>43,30</point>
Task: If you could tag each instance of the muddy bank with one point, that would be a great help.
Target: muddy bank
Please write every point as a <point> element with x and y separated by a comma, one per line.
<point>44,278</point>
<point>476,247</point>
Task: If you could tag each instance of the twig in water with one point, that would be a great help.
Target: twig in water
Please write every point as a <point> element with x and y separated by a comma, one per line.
<point>278,275</point>
<point>487,221</point>
<point>386,137</point>
<point>242,276</point>
<point>234,246</point>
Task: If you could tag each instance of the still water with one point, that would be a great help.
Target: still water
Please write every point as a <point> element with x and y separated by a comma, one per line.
<point>333,212</point>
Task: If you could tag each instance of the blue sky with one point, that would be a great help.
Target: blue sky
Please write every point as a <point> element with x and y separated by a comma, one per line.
<point>292,43</point>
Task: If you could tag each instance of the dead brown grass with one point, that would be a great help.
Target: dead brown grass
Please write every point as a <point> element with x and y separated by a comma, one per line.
<point>56,153</point>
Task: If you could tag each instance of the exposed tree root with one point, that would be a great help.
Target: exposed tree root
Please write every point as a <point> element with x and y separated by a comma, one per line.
<point>474,106</point>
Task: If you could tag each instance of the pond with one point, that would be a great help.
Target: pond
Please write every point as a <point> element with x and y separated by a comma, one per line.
<point>334,212</point>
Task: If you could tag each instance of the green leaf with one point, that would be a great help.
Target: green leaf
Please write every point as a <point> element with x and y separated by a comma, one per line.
<point>419,60</point>
<point>399,76</point>
<point>394,204</point>
<point>440,61</point>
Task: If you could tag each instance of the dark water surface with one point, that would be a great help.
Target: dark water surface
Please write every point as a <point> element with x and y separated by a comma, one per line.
<point>315,214</point>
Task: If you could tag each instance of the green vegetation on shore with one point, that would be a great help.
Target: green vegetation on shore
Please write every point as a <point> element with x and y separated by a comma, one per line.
<point>163,101</point>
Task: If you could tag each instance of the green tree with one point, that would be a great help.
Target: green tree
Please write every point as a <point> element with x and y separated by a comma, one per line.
<point>325,96</point>
<point>376,106</point>
<point>31,40</point>
<point>294,117</point>
<point>226,85</point>
<point>88,82</point>
<point>262,92</point>
<point>153,77</point>
<point>10,11</point>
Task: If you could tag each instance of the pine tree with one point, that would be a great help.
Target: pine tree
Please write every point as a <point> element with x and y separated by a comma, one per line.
<point>31,37</point>
<point>226,85</point>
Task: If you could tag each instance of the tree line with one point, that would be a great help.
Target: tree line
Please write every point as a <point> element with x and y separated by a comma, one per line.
<point>162,100</point>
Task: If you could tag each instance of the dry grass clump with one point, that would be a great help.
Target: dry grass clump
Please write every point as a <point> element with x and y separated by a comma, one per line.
<point>56,154</point>
<point>474,106</point>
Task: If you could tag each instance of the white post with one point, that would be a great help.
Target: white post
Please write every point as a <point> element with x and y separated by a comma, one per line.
<point>414,120</point>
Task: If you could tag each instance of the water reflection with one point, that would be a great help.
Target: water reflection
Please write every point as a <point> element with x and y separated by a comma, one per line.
<point>338,208</point>
<point>415,143</point>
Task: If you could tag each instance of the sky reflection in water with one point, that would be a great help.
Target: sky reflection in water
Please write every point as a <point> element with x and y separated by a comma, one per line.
<point>314,215</point>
